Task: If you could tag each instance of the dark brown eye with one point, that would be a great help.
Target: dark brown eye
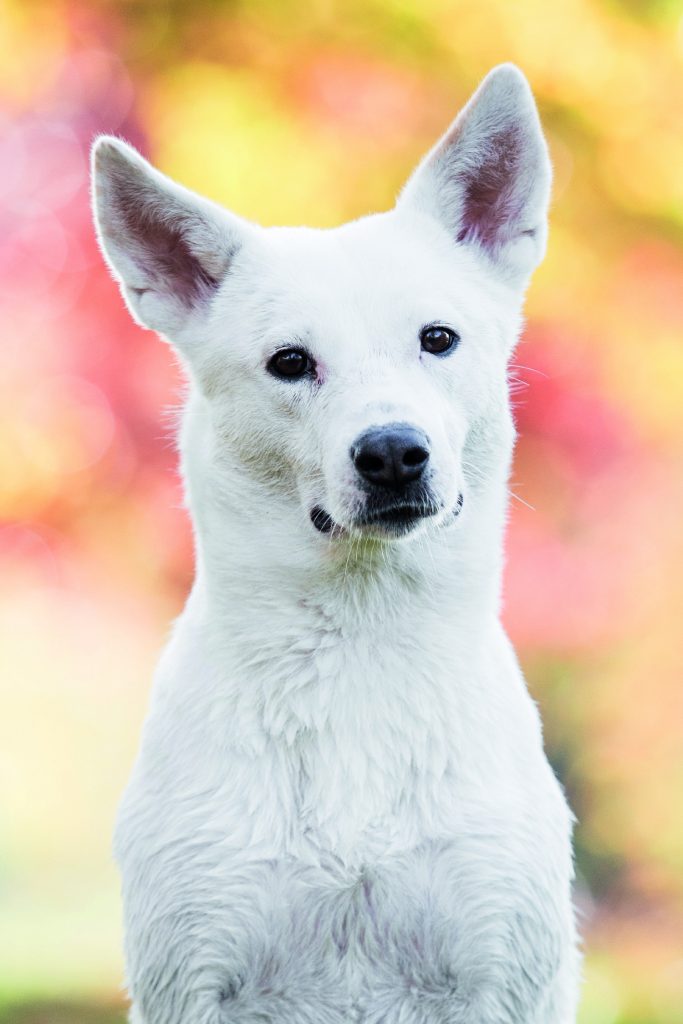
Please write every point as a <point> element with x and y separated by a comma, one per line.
<point>438,340</point>
<point>290,363</point>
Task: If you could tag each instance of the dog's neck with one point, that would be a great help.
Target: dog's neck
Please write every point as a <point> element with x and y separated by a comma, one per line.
<point>343,655</point>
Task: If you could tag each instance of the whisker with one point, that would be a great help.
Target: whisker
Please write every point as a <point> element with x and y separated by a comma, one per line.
<point>531,369</point>
<point>520,500</point>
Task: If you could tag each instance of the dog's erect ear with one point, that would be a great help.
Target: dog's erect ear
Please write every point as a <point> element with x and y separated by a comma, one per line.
<point>488,179</point>
<point>168,248</point>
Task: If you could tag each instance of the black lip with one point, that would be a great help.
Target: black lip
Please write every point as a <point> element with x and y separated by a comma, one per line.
<point>398,517</point>
<point>321,519</point>
<point>398,514</point>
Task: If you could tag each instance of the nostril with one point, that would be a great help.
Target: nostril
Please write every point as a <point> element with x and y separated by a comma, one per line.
<point>368,463</point>
<point>415,456</point>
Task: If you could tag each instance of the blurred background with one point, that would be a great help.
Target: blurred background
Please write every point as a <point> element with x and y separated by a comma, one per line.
<point>315,112</point>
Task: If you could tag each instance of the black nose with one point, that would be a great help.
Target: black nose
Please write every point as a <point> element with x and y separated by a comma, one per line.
<point>391,456</point>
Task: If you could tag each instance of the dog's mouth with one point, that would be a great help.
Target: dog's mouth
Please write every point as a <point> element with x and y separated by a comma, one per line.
<point>393,520</point>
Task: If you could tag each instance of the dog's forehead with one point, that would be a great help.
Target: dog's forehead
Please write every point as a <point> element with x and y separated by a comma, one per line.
<point>379,266</point>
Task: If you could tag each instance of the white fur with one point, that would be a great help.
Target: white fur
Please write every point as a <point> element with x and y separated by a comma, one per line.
<point>341,810</point>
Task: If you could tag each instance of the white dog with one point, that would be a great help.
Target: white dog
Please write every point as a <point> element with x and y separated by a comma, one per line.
<point>341,810</point>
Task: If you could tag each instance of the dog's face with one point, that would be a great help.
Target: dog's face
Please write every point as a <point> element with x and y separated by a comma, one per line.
<point>347,372</point>
<point>349,366</point>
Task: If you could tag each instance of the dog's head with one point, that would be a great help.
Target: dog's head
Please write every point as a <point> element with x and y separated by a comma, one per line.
<point>351,373</point>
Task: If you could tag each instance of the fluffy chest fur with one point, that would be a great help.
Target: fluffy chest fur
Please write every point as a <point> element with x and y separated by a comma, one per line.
<point>366,697</point>
<point>325,809</point>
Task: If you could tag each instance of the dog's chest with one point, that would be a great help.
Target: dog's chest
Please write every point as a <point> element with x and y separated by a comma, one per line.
<point>364,739</point>
<point>405,841</point>
<point>357,826</point>
<point>433,923</point>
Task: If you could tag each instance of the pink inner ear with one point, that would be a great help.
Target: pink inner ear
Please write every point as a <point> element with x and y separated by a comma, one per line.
<point>493,200</point>
<point>159,242</point>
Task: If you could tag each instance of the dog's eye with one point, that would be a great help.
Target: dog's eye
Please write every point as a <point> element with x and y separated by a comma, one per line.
<point>438,340</point>
<point>290,363</point>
